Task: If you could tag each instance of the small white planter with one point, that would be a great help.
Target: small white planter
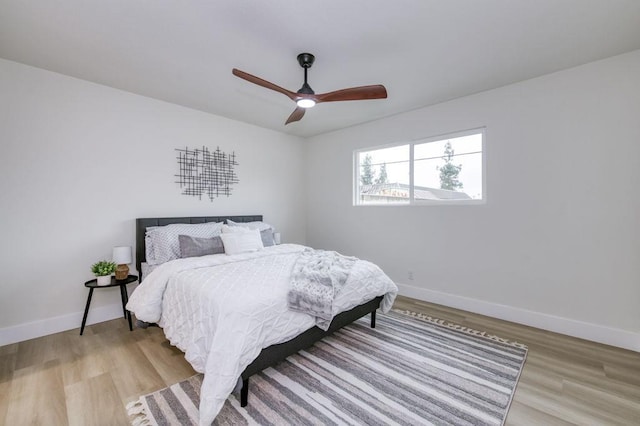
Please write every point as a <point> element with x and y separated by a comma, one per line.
<point>104,280</point>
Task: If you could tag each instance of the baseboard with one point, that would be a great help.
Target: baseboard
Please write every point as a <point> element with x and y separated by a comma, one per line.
<point>584,330</point>
<point>31,330</point>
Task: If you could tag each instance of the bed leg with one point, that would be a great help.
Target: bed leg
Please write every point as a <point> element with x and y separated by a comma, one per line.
<point>373,319</point>
<point>244,392</point>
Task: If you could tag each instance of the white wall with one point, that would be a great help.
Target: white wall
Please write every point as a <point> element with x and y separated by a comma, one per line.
<point>79,162</point>
<point>557,245</point>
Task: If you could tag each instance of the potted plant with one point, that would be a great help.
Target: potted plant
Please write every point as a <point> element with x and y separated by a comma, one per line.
<point>103,270</point>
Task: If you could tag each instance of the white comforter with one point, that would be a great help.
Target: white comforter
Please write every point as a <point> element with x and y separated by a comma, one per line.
<point>223,310</point>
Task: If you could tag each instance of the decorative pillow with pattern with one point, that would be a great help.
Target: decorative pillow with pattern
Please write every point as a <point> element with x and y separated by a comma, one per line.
<point>148,244</point>
<point>165,242</point>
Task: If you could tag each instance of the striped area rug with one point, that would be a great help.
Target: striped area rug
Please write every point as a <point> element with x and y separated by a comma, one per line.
<point>409,370</point>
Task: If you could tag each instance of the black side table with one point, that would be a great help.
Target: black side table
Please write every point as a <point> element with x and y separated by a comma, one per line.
<point>93,284</point>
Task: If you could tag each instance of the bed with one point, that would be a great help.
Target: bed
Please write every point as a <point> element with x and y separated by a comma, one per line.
<point>298,331</point>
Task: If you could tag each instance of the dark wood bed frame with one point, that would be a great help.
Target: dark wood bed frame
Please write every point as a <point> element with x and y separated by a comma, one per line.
<point>275,353</point>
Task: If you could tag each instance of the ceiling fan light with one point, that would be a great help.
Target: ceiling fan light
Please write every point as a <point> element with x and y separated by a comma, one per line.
<point>305,103</point>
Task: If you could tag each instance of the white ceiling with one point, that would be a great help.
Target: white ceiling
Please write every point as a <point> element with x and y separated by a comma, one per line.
<point>423,51</point>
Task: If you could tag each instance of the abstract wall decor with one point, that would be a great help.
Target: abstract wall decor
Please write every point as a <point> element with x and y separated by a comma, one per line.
<point>204,172</point>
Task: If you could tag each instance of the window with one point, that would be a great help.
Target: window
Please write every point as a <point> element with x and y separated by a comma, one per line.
<point>445,169</point>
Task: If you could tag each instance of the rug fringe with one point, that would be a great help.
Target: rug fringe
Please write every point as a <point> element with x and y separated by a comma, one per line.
<point>458,327</point>
<point>137,413</point>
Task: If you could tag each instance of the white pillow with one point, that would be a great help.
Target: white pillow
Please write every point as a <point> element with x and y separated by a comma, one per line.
<point>226,229</point>
<point>241,242</point>
<point>267,236</point>
<point>165,243</point>
<point>260,226</point>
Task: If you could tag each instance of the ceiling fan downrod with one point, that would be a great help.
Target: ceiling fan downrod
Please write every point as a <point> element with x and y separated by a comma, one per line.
<point>306,60</point>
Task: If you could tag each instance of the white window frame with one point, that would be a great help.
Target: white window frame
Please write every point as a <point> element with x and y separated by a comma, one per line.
<point>412,143</point>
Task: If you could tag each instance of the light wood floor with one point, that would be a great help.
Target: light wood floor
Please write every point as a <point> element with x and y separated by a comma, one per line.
<point>86,380</point>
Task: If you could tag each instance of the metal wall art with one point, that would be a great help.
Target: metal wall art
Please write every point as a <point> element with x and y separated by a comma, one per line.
<point>203,172</point>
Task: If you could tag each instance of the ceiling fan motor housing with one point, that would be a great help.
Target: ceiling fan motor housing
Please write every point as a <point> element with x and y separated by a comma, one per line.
<point>306,60</point>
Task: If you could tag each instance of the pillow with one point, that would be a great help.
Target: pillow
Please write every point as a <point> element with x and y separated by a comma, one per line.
<point>194,246</point>
<point>226,229</point>
<point>241,242</point>
<point>260,226</point>
<point>165,243</point>
<point>267,238</point>
<point>148,243</point>
<point>148,248</point>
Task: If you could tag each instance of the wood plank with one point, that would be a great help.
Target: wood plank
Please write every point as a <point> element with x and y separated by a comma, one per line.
<point>612,407</point>
<point>87,357</point>
<point>37,396</point>
<point>9,349</point>
<point>132,372</point>
<point>522,415</point>
<point>167,360</point>
<point>95,401</point>
<point>7,367</point>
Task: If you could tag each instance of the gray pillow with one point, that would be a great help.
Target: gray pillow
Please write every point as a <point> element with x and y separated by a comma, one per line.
<point>194,246</point>
<point>164,239</point>
<point>267,238</point>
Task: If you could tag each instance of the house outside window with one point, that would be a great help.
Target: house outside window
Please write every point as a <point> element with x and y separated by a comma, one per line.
<point>446,169</point>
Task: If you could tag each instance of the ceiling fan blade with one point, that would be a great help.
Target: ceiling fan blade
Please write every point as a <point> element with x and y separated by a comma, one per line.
<point>296,115</point>
<point>376,91</point>
<point>264,83</point>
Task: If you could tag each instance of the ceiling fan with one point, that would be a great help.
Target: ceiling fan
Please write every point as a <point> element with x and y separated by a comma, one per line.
<point>307,98</point>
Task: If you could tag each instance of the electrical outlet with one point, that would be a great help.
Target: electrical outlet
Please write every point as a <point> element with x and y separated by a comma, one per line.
<point>410,275</point>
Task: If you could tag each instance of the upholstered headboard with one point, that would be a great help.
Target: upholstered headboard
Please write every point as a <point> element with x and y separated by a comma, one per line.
<point>143,223</point>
